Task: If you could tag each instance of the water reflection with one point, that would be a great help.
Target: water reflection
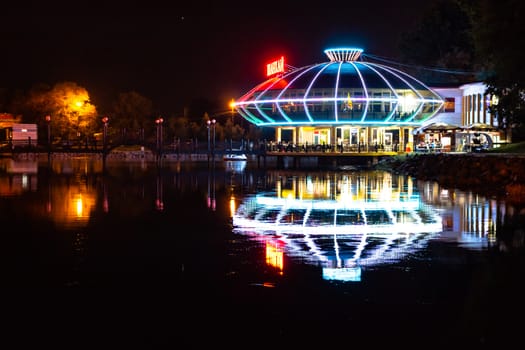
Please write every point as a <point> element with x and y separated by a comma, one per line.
<point>343,221</point>
<point>350,221</point>
<point>469,219</point>
<point>20,177</point>
<point>264,246</point>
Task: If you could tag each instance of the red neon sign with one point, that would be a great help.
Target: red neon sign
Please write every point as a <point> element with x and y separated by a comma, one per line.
<point>275,67</point>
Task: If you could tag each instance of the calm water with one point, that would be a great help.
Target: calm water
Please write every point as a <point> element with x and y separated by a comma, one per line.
<point>186,255</point>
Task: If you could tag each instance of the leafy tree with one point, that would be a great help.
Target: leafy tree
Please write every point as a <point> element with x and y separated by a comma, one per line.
<point>254,133</point>
<point>72,115</point>
<point>132,115</point>
<point>440,42</point>
<point>499,37</point>
<point>179,126</point>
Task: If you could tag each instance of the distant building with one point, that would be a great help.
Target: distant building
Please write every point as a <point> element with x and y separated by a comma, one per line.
<point>15,133</point>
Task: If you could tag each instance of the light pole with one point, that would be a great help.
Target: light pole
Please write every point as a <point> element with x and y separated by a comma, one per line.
<point>213,121</point>
<point>159,122</point>
<point>48,121</point>
<point>208,122</point>
<point>105,121</point>
<point>232,106</point>
<point>211,124</point>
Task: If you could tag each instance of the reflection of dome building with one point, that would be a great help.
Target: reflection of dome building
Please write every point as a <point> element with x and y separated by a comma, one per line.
<point>343,101</point>
<point>344,223</point>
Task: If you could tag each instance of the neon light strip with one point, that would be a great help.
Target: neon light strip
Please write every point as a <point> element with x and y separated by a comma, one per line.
<point>336,111</point>
<point>307,69</point>
<point>308,91</point>
<point>343,54</point>
<point>251,93</point>
<point>346,123</point>
<point>328,99</point>
<point>275,202</point>
<point>248,116</point>
<point>396,229</point>
<point>409,85</point>
<point>367,103</point>
<point>361,247</point>
<point>261,94</point>
<point>439,99</point>
<point>393,111</point>
<point>421,100</point>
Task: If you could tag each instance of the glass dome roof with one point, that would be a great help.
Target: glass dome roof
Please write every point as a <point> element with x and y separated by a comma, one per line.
<point>340,91</point>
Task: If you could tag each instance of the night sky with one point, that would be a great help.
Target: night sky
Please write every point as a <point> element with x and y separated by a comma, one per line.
<point>176,54</point>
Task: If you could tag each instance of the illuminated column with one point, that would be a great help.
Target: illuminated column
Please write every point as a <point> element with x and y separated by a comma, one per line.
<point>463,110</point>
<point>479,106</point>
<point>331,141</point>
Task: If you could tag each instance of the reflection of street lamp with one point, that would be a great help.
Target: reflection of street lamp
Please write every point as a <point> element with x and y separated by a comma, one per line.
<point>159,122</point>
<point>48,120</point>
<point>159,202</point>
<point>105,120</point>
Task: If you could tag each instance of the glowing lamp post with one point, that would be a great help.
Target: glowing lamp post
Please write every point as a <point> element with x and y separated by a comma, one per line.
<point>159,122</point>
<point>213,121</point>
<point>104,135</point>
<point>211,124</point>
<point>48,121</point>
<point>208,126</point>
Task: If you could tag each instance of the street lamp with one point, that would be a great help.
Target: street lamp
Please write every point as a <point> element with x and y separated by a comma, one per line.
<point>213,121</point>
<point>105,120</point>
<point>159,122</point>
<point>48,121</point>
<point>208,126</point>
<point>211,124</point>
<point>232,110</point>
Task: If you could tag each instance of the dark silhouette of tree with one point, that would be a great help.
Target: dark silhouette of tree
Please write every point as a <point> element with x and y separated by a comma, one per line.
<point>132,117</point>
<point>499,37</point>
<point>440,39</point>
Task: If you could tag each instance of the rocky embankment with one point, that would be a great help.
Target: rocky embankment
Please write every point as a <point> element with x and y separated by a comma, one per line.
<point>501,175</point>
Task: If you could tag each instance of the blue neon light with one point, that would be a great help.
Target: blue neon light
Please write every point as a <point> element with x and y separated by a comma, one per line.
<point>265,104</point>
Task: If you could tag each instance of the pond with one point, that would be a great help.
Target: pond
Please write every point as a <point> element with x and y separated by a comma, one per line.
<point>192,253</point>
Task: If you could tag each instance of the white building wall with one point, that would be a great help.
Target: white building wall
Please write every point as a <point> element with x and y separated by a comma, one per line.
<point>470,105</point>
<point>449,117</point>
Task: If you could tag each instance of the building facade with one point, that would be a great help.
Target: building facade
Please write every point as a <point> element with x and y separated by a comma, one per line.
<point>355,105</point>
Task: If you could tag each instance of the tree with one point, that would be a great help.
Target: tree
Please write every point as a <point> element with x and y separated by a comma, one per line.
<point>441,39</point>
<point>499,37</point>
<point>132,114</point>
<point>72,115</point>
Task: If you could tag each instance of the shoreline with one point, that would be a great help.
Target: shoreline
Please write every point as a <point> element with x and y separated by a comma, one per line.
<point>499,175</point>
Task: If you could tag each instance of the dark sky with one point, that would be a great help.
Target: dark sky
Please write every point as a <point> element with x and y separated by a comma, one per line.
<point>175,54</point>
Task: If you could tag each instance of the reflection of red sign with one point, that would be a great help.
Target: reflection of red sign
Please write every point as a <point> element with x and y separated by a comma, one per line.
<point>275,67</point>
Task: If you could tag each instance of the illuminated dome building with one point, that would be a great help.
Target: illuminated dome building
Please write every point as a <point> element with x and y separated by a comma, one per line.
<point>343,101</point>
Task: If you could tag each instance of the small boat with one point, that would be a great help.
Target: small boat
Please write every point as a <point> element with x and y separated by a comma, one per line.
<point>231,156</point>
